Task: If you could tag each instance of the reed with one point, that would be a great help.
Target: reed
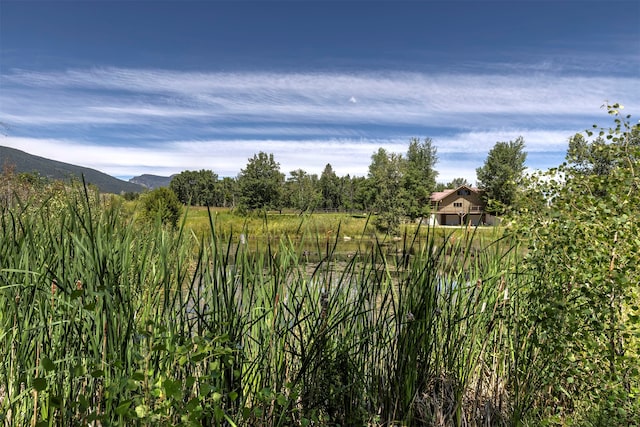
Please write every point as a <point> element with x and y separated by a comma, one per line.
<point>154,326</point>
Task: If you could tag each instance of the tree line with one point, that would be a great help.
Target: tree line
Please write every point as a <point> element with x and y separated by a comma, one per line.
<point>396,186</point>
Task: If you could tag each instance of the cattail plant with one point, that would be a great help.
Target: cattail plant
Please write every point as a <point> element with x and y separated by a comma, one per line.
<point>148,325</point>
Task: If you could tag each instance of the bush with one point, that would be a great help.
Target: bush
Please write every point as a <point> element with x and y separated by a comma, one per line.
<point>163,204</point>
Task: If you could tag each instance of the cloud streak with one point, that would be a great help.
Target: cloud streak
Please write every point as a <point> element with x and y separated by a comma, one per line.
<point>129,121</point>
<point>386,97</point>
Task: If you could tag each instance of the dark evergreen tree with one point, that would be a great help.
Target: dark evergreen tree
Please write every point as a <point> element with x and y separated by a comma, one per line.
<point>330,188</point>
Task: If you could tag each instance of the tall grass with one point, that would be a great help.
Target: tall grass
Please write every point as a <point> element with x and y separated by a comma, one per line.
<point>107,320</point>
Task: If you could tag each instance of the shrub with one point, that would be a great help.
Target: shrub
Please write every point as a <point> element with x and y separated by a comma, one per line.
<point>161,204</point>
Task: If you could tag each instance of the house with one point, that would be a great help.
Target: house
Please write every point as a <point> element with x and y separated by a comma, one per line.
<point>462,205</point>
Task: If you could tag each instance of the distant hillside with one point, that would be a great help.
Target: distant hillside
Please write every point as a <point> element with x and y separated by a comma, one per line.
<point>52,169</point>
<point>151,181</point>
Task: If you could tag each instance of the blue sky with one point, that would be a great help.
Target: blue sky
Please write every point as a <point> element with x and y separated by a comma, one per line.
<point>133,87</point>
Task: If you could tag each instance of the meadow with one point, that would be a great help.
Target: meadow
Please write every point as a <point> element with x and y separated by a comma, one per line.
<point>110,320</point>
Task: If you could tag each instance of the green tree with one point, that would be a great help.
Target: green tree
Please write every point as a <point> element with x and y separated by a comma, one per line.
<point>582,313</point>
<point>197,188</point>
<point>419,176</point>
<point>594,158</point>
<point>501,175</point>
<point>161,204</point>
<point>260,183</point>
<point>330,188</point>
<point>351,190</point>
<point>457,182</point>
<point>228,191</point>
<point>589,157</point>
<point>386,192</point>
<point>454,183</point>
<point>302,190</point>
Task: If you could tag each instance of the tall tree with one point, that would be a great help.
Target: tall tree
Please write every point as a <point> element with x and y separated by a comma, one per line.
<point>228,191</point>
<point>302,190</point>
<point>594,158</point>
<point>330,188</point>
<point>385,180</point>
<point>260,183</point>
<point>419,175</point>
<point>197,188</point>
<point>589,156</point>
<point>351,192</point>
<point>501,174</point>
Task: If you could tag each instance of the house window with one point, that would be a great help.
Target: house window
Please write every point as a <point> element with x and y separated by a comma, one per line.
<point>457,204</point>
<point>464,192</point>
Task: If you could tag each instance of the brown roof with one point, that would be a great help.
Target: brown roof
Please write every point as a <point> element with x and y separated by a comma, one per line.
<point>439,195</point>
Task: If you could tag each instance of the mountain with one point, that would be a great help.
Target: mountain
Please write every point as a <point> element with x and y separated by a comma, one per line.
<point>151,181</point>
<point>25,162</point>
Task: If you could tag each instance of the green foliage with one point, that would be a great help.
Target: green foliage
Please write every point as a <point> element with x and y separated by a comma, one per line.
<point>500,176</point>
<point>330,188</point>
<point>109,321</point>
<point>199,188</point>
<point>398,186</point>
<point>589,157</point>
<point>129,196</point>
<point>386,192</point>
<point>419,179</point>
<point>353,193</point>
<point>301,191</point>
<point>454,183</point>
<point>583,260</point>
<point>458,182</point>
<point>29,190</point>
<point>161,204</point>
<point>228,190</point>
<point>260,183</point>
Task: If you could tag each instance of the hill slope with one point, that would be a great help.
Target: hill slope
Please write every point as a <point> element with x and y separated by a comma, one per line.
<point>25,162</point>
<point>151,181</point>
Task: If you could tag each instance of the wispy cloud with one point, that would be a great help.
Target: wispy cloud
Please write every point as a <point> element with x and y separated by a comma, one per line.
<point>129,121</point>
<point>386,97</point>
<point>482,141</point>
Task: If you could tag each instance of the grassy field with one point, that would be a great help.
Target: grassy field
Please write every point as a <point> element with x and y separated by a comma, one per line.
<point>348,232</point>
